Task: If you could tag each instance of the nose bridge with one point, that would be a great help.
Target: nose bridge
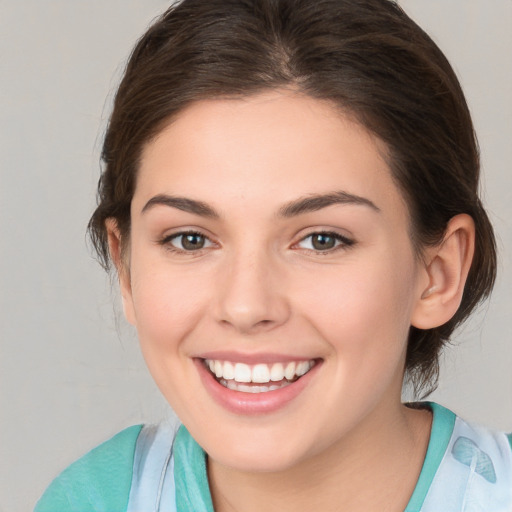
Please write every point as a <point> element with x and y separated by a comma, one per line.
<point>252,296</point>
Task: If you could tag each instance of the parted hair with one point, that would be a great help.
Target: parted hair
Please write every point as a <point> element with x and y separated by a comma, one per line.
<point>367,58</point>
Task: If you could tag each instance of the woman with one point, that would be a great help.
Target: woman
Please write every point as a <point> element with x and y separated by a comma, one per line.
<point>290,201</point>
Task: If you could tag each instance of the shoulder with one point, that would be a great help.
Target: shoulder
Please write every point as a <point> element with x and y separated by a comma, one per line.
<point>476,468</point>
<point>99,481</point>
<point>471,439</point>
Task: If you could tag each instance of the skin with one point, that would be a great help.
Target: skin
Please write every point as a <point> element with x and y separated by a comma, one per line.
<point>259,288</point>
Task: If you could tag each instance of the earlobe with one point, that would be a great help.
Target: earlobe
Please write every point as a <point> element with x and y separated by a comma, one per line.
<point>446,268</point>
<point>122,268</point>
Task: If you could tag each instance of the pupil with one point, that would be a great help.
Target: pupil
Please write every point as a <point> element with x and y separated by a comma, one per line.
<point>323,242</point>
<point>192,241</point>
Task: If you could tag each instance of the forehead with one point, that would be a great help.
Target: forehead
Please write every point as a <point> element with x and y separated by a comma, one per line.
<point>274,146</point>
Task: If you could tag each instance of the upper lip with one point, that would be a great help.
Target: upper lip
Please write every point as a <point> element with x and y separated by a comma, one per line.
<point>252,358</point>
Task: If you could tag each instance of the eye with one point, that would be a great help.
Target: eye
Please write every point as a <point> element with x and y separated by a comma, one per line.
<point>188,242</point>
<point>324,241</point>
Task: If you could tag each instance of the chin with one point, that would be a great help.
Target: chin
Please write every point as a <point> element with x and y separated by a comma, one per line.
<point>258,462</point>
<point>255,453</point>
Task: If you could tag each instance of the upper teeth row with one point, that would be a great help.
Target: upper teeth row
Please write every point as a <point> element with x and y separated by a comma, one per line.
<point>259,373</point>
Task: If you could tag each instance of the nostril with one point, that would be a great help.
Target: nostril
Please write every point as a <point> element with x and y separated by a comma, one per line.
<point>246,326</point>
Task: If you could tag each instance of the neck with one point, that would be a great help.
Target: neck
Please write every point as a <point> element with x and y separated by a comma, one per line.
<point>373,469</point>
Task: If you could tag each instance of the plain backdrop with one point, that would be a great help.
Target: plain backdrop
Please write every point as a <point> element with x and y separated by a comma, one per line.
<point>70,371</point>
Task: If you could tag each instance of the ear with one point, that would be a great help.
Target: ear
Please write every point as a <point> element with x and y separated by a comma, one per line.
<point>446,270</point>
<point>122,268</point>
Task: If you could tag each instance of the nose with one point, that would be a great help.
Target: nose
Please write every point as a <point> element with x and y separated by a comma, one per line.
<point>252,294</point>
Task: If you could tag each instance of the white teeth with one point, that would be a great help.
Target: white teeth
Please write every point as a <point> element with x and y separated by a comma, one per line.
<point>218,369</point>
<point>252,389</point>
<point>261,373</point>
<point>277,372</point>
<point>242,372</point>
<point>302,368</point>
<point>229,371</point>
<point>289,371</point>
<point>258,374</point>
<point>245,388</point>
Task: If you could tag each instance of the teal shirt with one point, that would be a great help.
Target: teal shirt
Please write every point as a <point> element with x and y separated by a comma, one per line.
<point>98,482</point>
<point>101,480</point>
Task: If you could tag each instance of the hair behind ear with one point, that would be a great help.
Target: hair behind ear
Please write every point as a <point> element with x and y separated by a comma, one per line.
<point>474,248</point>
<point>118,255</point>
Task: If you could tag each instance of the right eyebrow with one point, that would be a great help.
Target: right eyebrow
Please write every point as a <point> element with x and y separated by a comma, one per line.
<point>182,203</point>
<point>317,202</point>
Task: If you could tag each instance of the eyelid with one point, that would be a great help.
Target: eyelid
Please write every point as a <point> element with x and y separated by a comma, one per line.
<point>166,241</point>
<point>343,242</point>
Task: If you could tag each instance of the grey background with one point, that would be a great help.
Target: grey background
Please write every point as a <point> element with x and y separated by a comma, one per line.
<point>70,371</point>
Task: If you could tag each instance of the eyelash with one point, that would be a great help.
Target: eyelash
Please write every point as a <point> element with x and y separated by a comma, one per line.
<point>341,242</point>
<point>167,242</point>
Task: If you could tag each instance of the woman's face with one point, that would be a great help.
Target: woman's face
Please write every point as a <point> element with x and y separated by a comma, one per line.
<point>271,277</point>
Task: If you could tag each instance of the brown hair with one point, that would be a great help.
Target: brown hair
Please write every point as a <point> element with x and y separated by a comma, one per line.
<point>365,56</point>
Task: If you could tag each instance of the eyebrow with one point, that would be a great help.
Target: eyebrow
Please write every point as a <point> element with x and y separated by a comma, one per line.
<point>299,206</point>
<point>317,202</point>
<point>182,203</point>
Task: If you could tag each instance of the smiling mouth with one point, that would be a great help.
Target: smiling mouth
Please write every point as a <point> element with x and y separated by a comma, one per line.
<point>258,378</point>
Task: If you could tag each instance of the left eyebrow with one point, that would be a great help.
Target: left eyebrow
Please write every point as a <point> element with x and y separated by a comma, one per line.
<point>181,203</point>
<point>317,202</point>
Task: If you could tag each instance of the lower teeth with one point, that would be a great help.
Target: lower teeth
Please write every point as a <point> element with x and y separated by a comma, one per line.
<point>255,388</point>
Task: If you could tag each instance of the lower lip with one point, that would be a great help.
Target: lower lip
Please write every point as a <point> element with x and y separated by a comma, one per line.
<point>253,403</point>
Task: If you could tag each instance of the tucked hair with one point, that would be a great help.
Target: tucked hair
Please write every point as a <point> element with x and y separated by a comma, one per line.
<point>366,57</point>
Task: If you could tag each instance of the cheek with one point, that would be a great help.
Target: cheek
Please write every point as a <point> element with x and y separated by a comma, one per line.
<point>167,305</point>
<point>363,309</point>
